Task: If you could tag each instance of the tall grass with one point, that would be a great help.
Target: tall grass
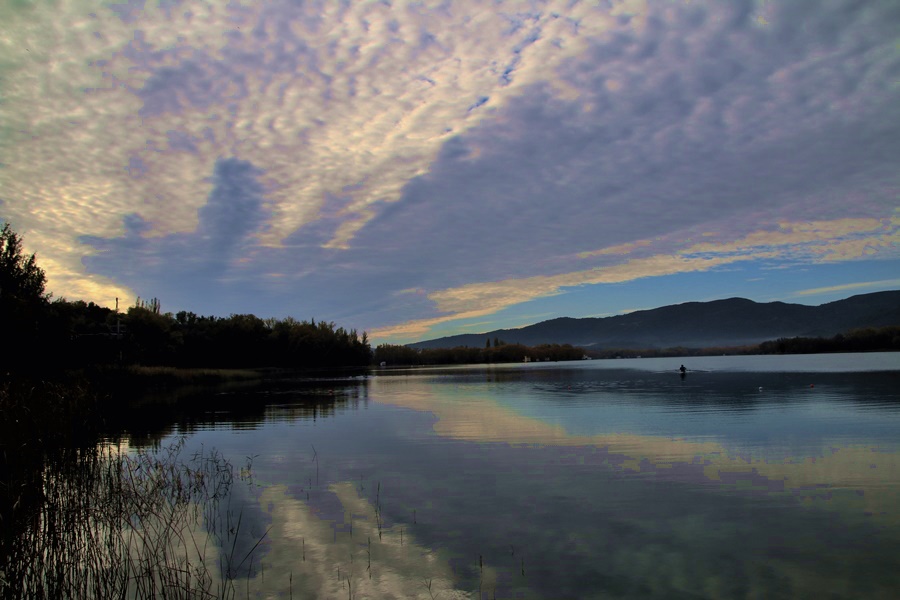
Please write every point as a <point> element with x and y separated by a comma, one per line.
<point>109,524</point>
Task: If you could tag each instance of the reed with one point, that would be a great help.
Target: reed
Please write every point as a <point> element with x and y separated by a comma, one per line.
<point>138,525</point>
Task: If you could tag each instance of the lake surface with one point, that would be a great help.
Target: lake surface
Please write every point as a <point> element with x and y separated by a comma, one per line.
<point>750,477</point>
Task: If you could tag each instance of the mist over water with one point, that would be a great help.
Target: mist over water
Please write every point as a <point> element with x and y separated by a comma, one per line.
<point>748,477</point>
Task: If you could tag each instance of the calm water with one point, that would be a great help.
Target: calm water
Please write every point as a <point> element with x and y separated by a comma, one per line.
<point>751,477</point>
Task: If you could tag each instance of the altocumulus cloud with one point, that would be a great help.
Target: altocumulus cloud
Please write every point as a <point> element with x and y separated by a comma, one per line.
<point>388,164</point>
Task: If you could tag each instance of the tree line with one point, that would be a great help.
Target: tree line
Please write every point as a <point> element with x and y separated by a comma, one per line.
<point>43,332</point>
<point>868,339</point>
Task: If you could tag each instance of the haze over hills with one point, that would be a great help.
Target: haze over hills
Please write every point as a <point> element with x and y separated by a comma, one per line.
<point>730,322</point>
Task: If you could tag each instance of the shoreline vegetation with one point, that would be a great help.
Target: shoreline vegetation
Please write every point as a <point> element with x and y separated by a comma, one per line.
<point>881,339</point>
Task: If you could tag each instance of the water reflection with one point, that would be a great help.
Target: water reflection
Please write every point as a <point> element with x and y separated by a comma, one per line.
<point>560,482</point>
<point>856,472</point>
<point>247,408</point>
<point>348,554</point>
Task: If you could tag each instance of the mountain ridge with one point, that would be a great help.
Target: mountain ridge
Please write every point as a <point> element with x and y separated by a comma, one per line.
<point>725,322</point>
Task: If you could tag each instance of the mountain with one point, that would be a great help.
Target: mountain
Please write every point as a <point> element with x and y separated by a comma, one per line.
<point>731,322</point>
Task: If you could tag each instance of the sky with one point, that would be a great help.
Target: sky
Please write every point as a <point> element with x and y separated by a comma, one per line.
<point>422,169</point>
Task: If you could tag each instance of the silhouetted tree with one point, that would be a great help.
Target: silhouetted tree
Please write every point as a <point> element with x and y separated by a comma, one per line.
<point>21,279</point>
<point>23,300</point>
<point>152,305</point>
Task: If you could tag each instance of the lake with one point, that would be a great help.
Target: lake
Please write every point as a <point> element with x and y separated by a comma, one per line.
<point>750,477</point>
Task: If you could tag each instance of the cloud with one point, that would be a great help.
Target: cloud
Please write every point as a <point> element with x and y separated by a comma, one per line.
<point>361,96</point>
<point>548,175</point>
<point>863,285</point>
<point>815,241</point>
<point>165,265</point>
<point>234,210</point>
<point>311,151</point>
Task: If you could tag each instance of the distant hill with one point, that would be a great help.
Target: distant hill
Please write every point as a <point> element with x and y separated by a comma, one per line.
<point>731,322</point>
